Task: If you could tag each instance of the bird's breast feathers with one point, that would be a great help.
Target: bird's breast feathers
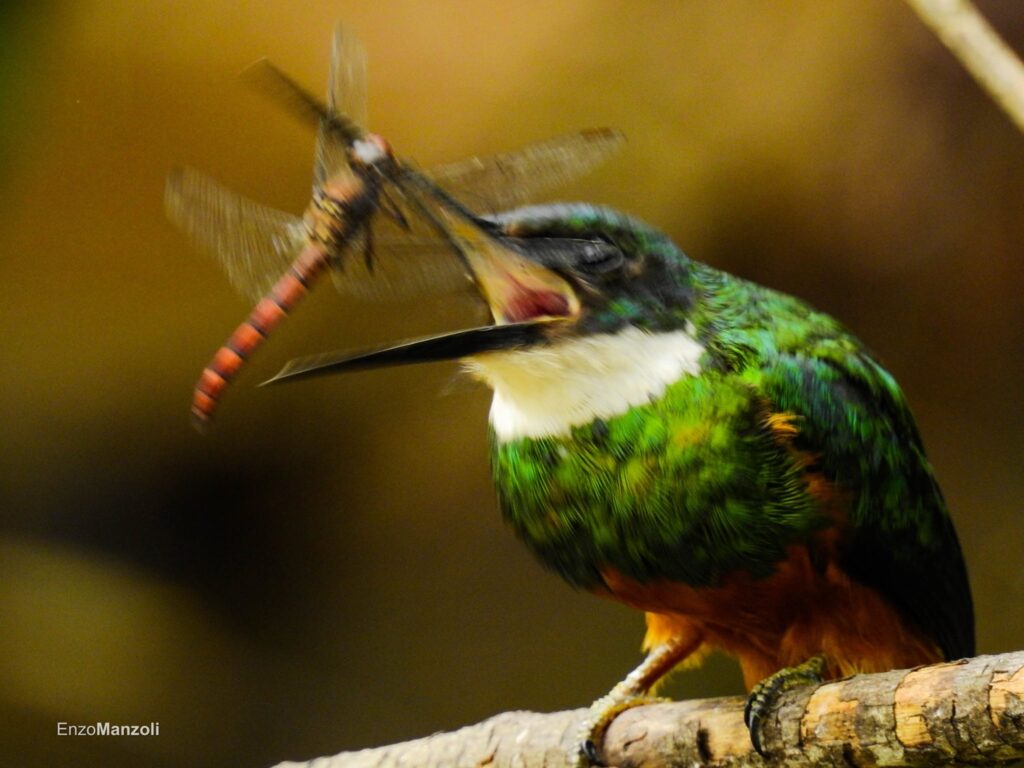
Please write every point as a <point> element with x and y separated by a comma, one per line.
<point>546,391</point>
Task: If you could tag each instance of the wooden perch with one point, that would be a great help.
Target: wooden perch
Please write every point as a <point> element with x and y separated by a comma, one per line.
<point>965,712</point>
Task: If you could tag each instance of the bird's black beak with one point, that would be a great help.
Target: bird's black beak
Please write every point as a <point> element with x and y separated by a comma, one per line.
<point>529,302</point>
<point>445,346</point>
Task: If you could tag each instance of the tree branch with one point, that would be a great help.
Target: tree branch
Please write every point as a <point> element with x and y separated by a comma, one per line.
<point>980,49</point>
<point>960,713</point>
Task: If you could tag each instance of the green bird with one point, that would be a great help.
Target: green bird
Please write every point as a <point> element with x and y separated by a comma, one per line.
<point>714,453</point>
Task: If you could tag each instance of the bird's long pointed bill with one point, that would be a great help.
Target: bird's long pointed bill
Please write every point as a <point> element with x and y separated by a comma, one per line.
<point>445,346</point>
<point>527,300</point>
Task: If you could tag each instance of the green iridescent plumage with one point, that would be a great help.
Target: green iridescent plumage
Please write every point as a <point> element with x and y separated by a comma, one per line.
<point>694,485</point>
<point>688,487</point>
<point>710,451</point>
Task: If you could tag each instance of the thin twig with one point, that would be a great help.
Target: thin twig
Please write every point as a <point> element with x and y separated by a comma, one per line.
<point>980,49</point>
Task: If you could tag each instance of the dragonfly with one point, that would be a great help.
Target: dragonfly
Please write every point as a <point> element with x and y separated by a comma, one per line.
<point>274,258</point>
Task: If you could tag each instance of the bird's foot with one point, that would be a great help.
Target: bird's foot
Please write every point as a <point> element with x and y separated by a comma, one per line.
<point>631,692</point>
<point>765,695</point>
<point>587,750</point>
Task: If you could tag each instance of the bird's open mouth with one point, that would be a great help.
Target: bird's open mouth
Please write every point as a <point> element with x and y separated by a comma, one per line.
<point>518,290</point>
<point>527,301</point>
<point>532,305</point>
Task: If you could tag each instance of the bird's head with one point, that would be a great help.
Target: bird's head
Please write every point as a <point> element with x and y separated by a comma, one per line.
<point>591,316</point>
<point>592,269</point>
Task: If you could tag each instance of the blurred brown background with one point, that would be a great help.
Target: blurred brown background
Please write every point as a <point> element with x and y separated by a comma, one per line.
<point>326,569</point>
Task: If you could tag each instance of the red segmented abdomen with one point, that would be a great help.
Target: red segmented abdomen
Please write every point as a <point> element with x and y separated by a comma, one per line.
<point>265,316</point>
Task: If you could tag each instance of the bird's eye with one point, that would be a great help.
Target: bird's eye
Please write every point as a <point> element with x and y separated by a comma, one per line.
<point>598,257</point>
<point>586,257</point>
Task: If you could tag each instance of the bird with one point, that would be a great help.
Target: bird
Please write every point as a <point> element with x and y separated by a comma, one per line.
<point>716,454</point>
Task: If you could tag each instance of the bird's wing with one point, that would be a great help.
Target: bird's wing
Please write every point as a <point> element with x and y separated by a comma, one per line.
<point>852,416</point>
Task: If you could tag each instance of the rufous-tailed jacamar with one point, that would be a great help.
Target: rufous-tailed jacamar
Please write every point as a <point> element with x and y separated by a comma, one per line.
<point>714,453</point>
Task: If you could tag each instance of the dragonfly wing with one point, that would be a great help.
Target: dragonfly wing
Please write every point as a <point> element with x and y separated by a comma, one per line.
<point>253,243</point>
<point>507,180</point>
<point>421,260</point>
<point>346,95</point>
<point>386,262</point>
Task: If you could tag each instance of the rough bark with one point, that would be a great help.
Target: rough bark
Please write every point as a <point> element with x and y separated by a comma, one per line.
<point>965,712</point>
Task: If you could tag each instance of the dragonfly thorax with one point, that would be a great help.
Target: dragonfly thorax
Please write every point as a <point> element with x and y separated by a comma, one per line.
<point>371,150</point>
<point>337,207</point>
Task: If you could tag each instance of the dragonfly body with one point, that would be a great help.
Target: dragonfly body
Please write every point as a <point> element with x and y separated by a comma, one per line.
<point>339,208</point>
<point>275,257</point>
<point>253,331</point>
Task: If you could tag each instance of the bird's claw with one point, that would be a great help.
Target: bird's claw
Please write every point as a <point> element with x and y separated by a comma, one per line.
<point>587,753</point>
<point>765,695</point>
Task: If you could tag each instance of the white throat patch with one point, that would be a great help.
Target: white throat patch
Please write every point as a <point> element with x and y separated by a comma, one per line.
<point>548,390</point>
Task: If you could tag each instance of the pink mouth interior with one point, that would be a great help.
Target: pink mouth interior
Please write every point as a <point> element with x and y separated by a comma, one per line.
<point>527,305</point>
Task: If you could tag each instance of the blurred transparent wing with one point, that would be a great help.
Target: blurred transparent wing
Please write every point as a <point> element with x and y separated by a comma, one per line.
<point>255,244</point>
<point>404,263</point>
<point>419,261</point>
<point>489,184</point>
<point>252,242</point>
<point>346,95</point>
